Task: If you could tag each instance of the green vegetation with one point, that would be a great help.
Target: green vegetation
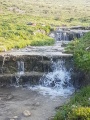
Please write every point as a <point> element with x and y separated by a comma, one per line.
<point>78,108</point>
<point>54,12</point>
<point>81,51</point>
<point>16,17</point>
<point>18,32</point>
<point>28,22</point>
<point>80,113</point>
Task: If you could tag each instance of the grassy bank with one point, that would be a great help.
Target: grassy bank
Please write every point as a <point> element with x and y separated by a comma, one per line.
<point>26,22</point>
<point>18,31</point>
<point>78,108</point>
<point>81,51</point>
<point>55,12</point>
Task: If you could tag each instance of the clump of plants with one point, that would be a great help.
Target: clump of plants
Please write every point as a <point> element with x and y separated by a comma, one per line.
<point>79,113</point>
<point>78,108</point>
<point>42,42</point>
<point>81,51</point>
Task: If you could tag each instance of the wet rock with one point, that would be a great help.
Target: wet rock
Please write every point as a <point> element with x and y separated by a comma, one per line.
<point>27,113</point>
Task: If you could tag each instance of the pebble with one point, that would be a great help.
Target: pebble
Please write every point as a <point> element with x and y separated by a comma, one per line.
<point>15,117</point>
<point>27,113</point>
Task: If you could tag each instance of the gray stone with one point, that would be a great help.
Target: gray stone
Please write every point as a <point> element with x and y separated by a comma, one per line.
<point>27,113</point>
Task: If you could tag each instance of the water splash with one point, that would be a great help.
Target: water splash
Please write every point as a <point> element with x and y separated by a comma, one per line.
<point>57,82</point>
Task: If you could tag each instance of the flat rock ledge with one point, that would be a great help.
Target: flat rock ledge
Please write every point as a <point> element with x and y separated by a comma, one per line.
<point>31,78</point>
<point>56,50</point>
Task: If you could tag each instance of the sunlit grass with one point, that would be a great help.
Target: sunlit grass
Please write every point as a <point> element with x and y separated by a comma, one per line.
<point>48,14</point>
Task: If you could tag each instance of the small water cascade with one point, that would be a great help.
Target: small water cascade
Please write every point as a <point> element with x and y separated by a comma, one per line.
<point>20,72</point>
<point>62,36</point>
<point>68,34</point>
<point>57,82</point>
<point>20,66</point>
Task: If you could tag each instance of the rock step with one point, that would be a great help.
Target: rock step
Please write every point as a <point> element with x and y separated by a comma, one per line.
<point>32,55</point>
<point>31,63</point>
<point>28,77</point>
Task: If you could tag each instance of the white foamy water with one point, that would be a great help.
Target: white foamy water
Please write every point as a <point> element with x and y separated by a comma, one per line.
<point>57,82</point>
<point>53,92</point>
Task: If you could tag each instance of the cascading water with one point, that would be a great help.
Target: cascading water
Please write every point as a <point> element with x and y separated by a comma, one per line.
<point>67,35</point>
<point>57,82</point>
<point>20,66</point>
<point>62,36</point>
<point>20,72</point>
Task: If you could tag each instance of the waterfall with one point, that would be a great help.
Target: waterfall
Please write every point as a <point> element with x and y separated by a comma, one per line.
<point>68,34</point>
<point>57,82</point>
<point>58,78</point>
<point>20,71</point>
<point>20,66</point>
<point>62,36</point>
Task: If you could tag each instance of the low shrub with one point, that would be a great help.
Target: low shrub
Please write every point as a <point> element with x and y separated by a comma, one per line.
<point>81,51</point>
<point>78,108</point>
<point>42,42</point>
<point>79,113</point>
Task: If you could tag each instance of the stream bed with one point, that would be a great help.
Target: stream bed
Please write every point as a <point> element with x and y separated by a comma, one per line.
<point>54,89</point>
<point>37,80</point>
<point>14,101</point>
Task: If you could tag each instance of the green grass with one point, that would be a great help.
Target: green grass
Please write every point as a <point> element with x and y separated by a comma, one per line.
<point>56,12</point>
<point>81,101</point>
<point>81,51</point>
<point>46,14</point>
<point>16,33</point>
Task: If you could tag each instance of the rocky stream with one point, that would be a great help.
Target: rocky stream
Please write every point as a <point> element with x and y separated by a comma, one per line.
<point>36,81</point>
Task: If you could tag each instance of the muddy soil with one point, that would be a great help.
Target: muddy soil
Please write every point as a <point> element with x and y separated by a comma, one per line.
<point>14,101</point>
